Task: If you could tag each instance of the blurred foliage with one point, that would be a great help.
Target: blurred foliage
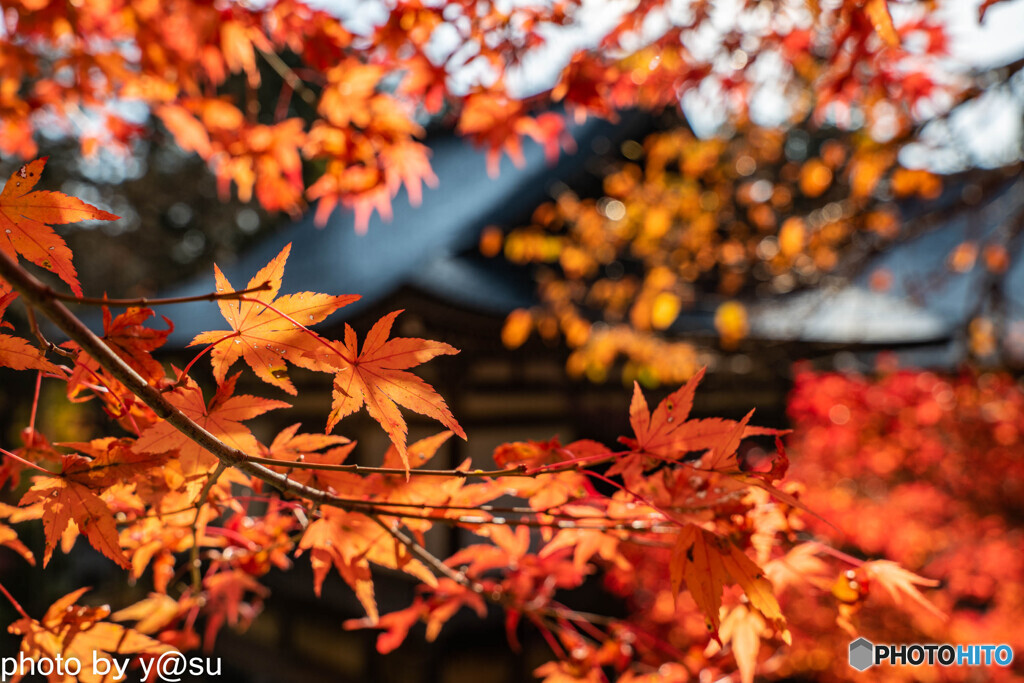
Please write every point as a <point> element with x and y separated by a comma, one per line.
<point>907,466</point>
<point>683,221</point>
<point>925,470</point>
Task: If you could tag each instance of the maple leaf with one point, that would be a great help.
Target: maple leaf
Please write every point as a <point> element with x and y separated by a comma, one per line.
<point>878,14</point>
<point>394,625</point>
<point>70,631</point>
<point>224,593</point>
<point>110,461</point>
<point>742,628</point>
<point>801,564</point>
<point>130,339</point>
<point>222,417</point>
<point>238,44</point>
<point>350,541</point>
<point>15,352</point>
<point>706,562</point>
<point>377,379</point>
<point>667,434</point>
<point>900,583</point>
<point>9,538</point>
<point>154,613</point>
<point>414,490</point>
<point>291,446</point>
<point>188,132</point>
<point>26,217</point>
<point>586,543</point>
<point>263,337</point>
<point>497,121</point>
<point>65,501</point>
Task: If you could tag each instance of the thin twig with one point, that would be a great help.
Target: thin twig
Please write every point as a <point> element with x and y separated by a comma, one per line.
<point>200,501</point>
<point>437,567</point>
<point>517,471</point>
<point>146,301</point>
<point>43,341</point>
<point>289,76</point>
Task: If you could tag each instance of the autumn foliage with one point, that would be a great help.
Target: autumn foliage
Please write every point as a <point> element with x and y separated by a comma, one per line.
<point>924,470</point>
<point>726,564</point>
<point>290,104</point>
<point>154,494</point>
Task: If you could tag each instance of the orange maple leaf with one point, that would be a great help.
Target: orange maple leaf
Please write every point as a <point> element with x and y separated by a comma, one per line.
<point>9,538</point>
<point>155,612</point>
<point>130,339</point>
<point>377,378</point>
<point>26,216</point>
<point>74,631</point>
<point>667,433</point>
<point>498,122</point>
<point>17,353</point>
<point>222,417</point>
<point>262,336</point>
<point>350,541</point>
<point>742,629</point>
<point>65,501</point>
<point>877,12</point>
<point>706,563</point>
<point>290,446</point>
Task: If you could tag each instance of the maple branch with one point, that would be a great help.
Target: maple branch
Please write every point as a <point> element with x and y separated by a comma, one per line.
<point>368,507</point>
<point>438,567</point>
<point>519,470</point>
<point>289,75</point>
<point>198,505</point>
<point>146,301</point>
<point>42,297</point>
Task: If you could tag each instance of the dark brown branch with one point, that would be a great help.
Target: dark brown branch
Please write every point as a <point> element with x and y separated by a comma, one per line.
<point>519,470</point>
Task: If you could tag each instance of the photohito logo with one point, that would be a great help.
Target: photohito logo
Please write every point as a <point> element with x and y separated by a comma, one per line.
<point>865,654</point>
<point>861,654</point>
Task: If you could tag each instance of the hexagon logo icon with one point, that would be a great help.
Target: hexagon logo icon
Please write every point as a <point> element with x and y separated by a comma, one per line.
<point>862,653</point>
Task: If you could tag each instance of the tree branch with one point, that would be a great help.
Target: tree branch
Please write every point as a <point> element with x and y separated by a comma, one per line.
<point>144,301</point>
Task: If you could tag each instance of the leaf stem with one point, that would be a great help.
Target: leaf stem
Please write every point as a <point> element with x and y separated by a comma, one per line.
<point>35,406</point>
<point>15,603</point>
<point>27,463</point>
<point>316,337</point>
<point>184,373</point>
